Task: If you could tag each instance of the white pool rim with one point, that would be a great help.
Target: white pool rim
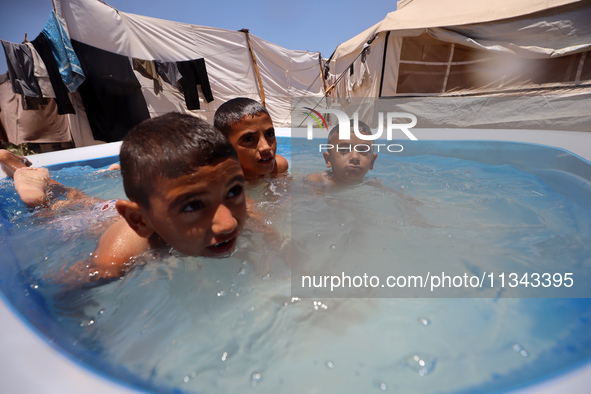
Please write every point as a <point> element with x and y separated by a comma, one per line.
<point>29,363</point>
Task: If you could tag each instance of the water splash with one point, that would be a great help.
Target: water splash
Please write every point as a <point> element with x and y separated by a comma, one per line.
<point>255,378</point>
<point>423,364</point>
<point>519,349</point>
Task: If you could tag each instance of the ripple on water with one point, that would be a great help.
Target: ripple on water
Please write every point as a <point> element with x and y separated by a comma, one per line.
<point>422,364</point>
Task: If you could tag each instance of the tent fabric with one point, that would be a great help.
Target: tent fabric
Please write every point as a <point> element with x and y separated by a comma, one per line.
<point>468,50</point>
<point>226,54</point>
<point>43,125</point>
<point>534,33</point>
<point>419,15</point>
<point>543,35</point>
<point>558,111</point>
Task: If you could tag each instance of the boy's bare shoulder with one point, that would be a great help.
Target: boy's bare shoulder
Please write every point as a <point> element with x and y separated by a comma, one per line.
<point>111,259</point>
<point>281,164</point>
<point>116,247</point>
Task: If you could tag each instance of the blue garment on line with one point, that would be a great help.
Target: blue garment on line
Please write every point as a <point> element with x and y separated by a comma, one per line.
<point>61,47</point>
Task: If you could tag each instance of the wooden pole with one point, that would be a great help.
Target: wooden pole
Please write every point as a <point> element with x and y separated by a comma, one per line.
<point>256,67</point>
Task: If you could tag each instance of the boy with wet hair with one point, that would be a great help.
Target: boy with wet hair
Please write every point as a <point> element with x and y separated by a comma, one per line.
<point>185,189</point>
<point>348,160</point>
<point>249,127</point>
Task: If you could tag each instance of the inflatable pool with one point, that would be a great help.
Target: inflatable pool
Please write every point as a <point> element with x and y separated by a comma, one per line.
<point>32,362</point>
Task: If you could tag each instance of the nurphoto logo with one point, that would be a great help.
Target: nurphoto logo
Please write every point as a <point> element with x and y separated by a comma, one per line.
<point>345,126</point>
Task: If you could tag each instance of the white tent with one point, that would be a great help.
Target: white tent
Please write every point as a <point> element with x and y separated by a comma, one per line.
<point>471,63</point>
<point>238,64</point>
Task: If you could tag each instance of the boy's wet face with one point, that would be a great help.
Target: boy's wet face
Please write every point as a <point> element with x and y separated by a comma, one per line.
<point>254,140</point>
<point>350,159</point>
<point>202,213</point>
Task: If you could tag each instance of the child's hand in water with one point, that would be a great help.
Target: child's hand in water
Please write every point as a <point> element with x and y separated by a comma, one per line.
<point>112,167</point>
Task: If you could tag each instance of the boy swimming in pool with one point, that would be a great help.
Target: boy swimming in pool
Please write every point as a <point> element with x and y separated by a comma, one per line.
<point>185,189</point>
<point>249,127</point>
<point>348,160</point>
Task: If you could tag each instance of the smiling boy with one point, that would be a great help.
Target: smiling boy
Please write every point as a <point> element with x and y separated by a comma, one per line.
<point>249,127</point>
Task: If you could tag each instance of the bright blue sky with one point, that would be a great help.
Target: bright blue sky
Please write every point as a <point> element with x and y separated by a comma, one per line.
<point>304,24</point>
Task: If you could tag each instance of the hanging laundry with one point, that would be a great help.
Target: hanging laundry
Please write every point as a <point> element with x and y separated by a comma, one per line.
<point>194,73</point>
<point>147,68</point>
<point>169,73</point>
<point>185,76</point>
<point>61,47</point>
<point>20,64</point>
<point>361,77</point>
<point>111,93</point>
<point>21,126</point>
<point>171,98</point>
<point>366,51</point>
<point>64,105</point>
<point>40,73</point>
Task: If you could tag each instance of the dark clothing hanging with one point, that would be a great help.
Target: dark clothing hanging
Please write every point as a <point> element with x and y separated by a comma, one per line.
<point>194,73</point>
<point>185,76</point>
<point>147,69</point>
<point>19,60</point>
<point>169,73</point>
<point>111,93</point>
<point>64,105</point>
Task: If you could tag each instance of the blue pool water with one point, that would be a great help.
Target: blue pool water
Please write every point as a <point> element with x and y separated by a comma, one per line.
<point>180,324</point>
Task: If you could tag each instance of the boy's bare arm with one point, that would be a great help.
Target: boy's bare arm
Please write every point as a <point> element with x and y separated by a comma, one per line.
<point>116,247</point>
<point>110,260</point>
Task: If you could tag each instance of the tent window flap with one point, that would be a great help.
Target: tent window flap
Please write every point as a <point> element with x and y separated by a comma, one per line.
<point>430,66</point>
